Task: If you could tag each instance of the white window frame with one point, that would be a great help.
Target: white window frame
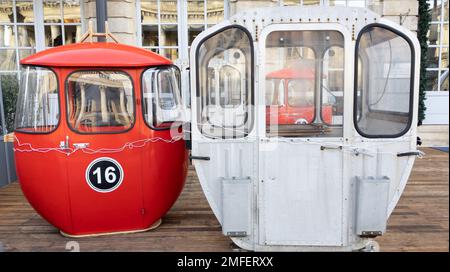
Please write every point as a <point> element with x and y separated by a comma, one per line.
<point>183,27</point>
<point>61,24</point>
<point>441,23</point>
<point>39,30</point>
<point>437,101</point>
<point>15,25</point>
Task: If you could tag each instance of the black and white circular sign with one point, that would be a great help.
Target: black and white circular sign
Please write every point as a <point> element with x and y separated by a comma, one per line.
<point>104,175</point>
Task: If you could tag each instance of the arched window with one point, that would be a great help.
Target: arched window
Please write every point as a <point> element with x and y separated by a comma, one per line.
<point>161,96</point>
<point>225,83</point>
<point>386,87</point>
<point>38,103</point>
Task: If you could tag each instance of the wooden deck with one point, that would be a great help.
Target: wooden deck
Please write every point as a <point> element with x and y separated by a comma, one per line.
<point>419,223</point>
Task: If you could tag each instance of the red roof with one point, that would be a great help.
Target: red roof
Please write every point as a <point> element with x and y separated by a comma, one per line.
<point>288,73</point>
<point>99,54</point>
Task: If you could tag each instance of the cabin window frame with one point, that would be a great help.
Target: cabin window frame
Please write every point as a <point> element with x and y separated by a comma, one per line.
<point>364,30</point>
<point>66,82</point>
<point>322,86</point>
<point>251,91</point>
<point>59,103</point>
<point>141,78</point>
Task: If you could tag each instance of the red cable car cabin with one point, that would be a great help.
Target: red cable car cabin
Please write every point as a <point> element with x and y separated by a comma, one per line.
<point>98,145</point>
<point>290,98</point>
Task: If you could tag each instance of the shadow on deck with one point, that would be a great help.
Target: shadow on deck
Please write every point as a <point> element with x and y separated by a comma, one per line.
<point>419,222</point>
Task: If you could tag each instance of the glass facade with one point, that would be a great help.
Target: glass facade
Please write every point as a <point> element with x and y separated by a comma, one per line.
<point>161,30</point>
<point>62,22</point>
<point>17,33</point>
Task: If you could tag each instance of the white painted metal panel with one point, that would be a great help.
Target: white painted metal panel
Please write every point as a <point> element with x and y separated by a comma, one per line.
<point>437,108</point>
<point>371,205</point>
<point>302,192</point>
<point>227,160</point>
<point>236,203</point>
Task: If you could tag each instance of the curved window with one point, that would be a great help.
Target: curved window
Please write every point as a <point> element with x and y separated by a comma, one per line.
<point>384,91</point>
<point>100,102</point>
<point>161,96</point>
<point>225,83</point>
<point>37,104</point>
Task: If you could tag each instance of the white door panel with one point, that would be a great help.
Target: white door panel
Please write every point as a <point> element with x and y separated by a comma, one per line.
<point>305,198</point>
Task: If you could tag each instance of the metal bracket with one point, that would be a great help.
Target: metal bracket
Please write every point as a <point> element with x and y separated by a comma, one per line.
<point>91,34</point>
<point>9,138</point>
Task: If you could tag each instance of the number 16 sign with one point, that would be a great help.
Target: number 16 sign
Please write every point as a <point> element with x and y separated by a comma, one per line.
<point>104,175</point>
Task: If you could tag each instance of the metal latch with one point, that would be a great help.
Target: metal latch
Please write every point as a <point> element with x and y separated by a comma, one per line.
<point>81,145</point>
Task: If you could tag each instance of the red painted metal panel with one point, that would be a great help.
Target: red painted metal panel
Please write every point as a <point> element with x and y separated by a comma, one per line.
<point>96,55</point>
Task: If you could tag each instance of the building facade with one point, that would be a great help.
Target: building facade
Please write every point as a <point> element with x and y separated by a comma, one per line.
<point>168,27</point>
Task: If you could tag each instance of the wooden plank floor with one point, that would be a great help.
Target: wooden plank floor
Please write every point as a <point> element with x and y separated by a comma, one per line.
<point>419,223</point>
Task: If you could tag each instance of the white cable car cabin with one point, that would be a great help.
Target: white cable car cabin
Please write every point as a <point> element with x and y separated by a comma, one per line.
<point>329,183</point>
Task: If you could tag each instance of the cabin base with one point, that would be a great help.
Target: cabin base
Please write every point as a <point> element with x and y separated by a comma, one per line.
<point>152,227</point>
<point>360,245</point>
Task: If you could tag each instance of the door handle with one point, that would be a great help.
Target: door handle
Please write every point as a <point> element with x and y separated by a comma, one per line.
<point>323,147</point>
<point>203,158</point>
